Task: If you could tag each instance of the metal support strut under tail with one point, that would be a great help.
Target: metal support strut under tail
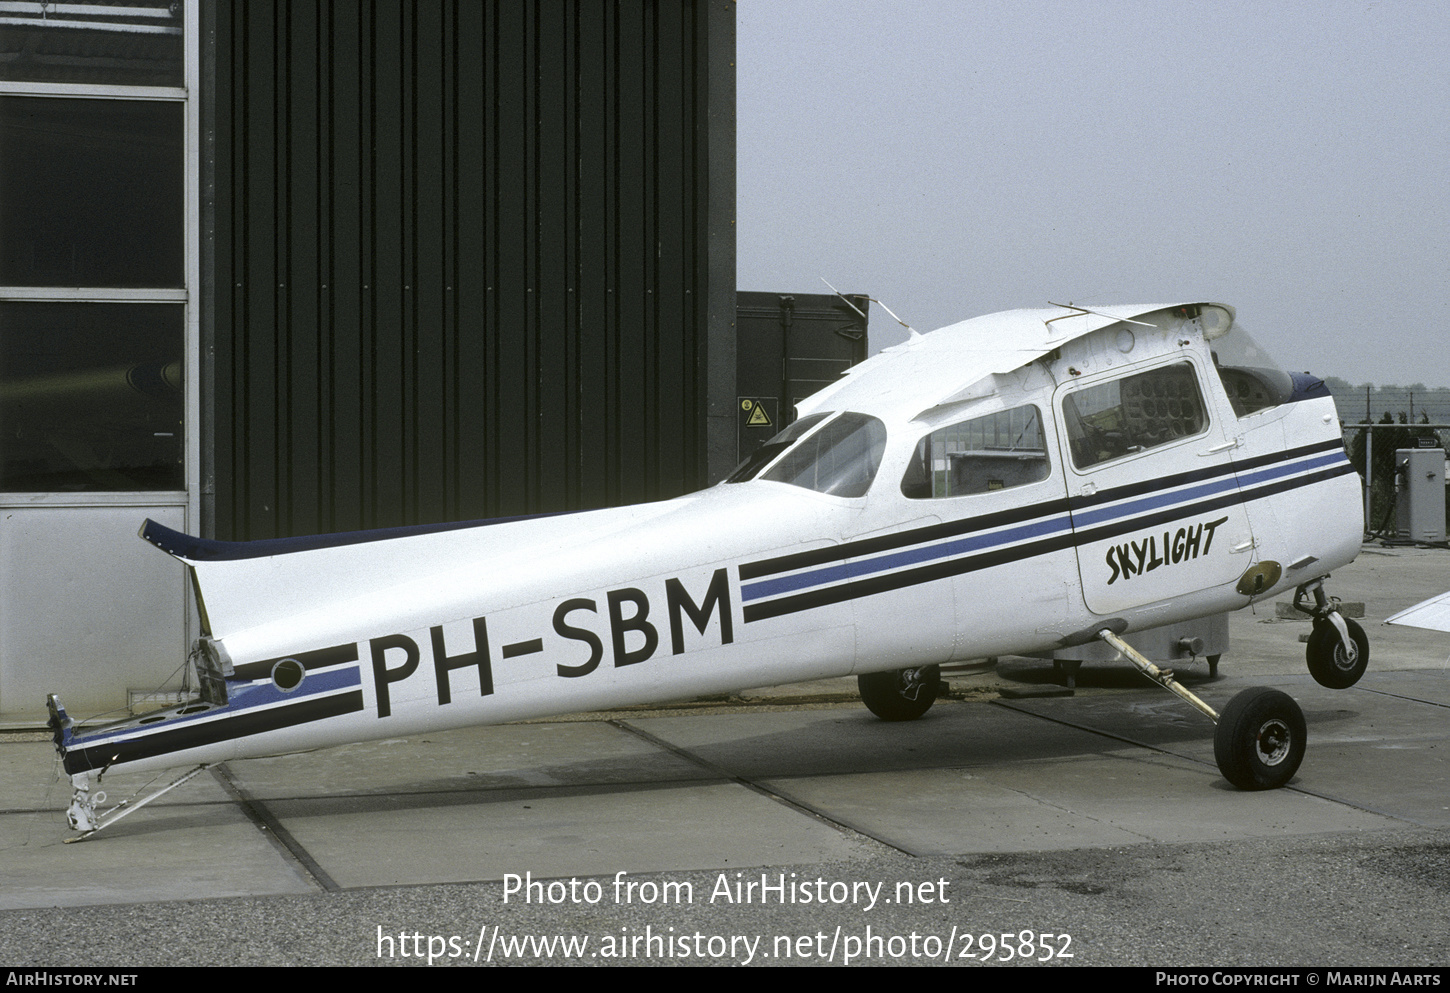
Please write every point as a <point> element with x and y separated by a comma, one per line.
<point>84,817</point>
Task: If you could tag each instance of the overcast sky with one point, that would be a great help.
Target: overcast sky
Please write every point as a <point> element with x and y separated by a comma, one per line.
<point>958,157</point>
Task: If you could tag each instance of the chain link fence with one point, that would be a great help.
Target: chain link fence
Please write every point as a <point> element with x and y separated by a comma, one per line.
<point>1371,448</point>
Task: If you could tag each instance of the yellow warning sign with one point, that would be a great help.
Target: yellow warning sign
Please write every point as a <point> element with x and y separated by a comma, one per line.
<point>758,418</point>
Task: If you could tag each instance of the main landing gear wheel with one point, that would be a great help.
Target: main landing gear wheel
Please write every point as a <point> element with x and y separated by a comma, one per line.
<point>1259,742</point>
<point>1329,663</point>
<point>900,695</point>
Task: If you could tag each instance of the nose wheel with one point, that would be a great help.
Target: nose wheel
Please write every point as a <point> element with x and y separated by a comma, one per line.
<point>1338,650</point>
<point>1336,659</point>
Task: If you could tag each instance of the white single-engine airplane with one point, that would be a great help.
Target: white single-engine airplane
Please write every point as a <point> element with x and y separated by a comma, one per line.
<point>1032,482</point>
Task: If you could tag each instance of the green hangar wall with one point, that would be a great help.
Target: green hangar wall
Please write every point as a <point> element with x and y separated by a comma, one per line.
<point>465,259</point>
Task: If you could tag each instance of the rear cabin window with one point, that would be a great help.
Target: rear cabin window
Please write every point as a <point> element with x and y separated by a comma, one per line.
<point>840,459</point>
<point>1133,414</point>
<point>770,451</point>
<point>995,452</point>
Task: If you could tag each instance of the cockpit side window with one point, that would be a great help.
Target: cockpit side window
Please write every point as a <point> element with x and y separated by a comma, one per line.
<point>995,452</point>
<point>1133,414</point>
<point>840,459</point>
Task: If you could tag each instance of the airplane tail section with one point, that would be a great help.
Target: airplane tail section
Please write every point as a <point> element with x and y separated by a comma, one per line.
<point>241,584</point>
<point>59,722</point>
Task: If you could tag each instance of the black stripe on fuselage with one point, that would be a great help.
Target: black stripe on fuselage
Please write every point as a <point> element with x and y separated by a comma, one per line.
<point>1014,515</point>
<point>1114,528</point>
<point>901,539</point>
<point>1199,475</point>
<point>909,577</point>
<point>147,746</point>
<point>1002,556</point>
<point>320,658</point>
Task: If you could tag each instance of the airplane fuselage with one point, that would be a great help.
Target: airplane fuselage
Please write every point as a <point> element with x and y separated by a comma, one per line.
<point>1108,478</point>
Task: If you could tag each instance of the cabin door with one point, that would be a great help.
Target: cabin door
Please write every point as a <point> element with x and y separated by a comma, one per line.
<point>1155,506</point>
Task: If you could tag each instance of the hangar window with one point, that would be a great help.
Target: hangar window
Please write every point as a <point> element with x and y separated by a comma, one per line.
<point>91,396</point>
<point>99,273</point>
<point>1133,414</point>
<point>995,452</point>
<point>95,44</point>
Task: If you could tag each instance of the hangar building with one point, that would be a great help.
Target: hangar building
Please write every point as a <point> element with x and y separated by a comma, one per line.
<point>279,268</point>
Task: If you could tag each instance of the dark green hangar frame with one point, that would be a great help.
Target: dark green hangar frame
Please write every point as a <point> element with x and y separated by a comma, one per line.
<point>463,259</point>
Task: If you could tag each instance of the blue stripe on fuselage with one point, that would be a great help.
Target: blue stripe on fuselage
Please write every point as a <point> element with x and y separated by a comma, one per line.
<point>240,699</point>
<point>1185,499</point>
<point>894,560</point>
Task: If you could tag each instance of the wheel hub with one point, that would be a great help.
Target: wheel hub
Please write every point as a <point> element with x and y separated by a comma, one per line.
<point>1273,742</point>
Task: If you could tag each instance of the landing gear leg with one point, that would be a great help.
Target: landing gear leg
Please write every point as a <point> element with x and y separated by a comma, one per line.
<point>1259,739</point>
<point>1338,651</point>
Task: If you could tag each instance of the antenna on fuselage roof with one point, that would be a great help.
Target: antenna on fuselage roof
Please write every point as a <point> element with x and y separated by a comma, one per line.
<point>1080,311</point>
<point>914,333</point>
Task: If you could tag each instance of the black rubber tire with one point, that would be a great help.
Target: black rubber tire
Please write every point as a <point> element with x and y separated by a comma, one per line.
<point>1326,656</point>
<point>884,693</point>
<point>1260,739</point>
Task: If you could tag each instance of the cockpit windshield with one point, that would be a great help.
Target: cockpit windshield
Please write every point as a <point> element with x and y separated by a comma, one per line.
<point>1252,380</point>
<point>841,458</point>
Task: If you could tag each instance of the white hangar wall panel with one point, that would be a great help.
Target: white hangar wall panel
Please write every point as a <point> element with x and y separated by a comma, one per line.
<point>465,257</point>
<point>89,611</point>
